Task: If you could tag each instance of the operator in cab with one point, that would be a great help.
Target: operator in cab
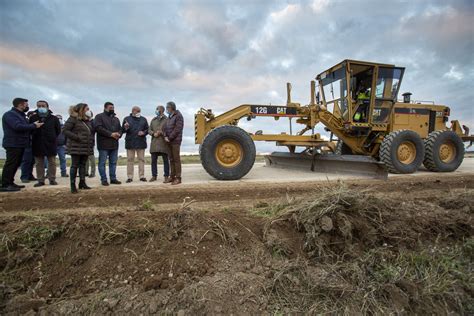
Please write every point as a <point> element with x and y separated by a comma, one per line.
<point>363,101</point>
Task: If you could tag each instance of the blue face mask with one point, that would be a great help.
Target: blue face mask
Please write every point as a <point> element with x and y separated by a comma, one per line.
<point>42,110</point>
<point>157,113</point>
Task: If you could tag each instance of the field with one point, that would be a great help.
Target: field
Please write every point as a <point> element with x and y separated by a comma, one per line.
<point>360,246</point>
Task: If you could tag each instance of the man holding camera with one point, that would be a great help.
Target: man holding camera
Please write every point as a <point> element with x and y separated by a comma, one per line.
<point>16,137</point>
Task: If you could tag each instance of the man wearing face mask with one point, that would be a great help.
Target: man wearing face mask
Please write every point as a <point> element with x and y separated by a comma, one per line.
<point>28,160</point>
<point>61,148</point>
<point>109,131</point>
<point>158,146</point>
<point>135,127</point>
<point>44,142</point>
<point>16,137</point>
<point>174,137</point>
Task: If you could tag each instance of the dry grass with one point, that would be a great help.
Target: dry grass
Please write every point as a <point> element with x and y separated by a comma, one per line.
<point>32,235</point>
<point>351,270</point>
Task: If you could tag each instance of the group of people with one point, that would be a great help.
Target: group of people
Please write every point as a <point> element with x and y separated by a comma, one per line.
<point>37,137</point>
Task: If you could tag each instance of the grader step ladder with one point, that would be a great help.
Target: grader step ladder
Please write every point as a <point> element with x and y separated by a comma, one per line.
<point>371,132</point>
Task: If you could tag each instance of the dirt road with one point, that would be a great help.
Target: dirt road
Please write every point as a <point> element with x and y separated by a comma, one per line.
<point>195,174</point>
<point>260,184</point>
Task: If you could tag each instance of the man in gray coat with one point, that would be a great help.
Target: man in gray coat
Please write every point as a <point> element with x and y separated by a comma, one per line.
<point>158,145</point>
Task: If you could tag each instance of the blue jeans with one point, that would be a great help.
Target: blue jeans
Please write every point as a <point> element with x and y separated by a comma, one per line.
<point>62,159</point>
<point>112,155</point>
<point>27,164</point>
<point>154,162</point>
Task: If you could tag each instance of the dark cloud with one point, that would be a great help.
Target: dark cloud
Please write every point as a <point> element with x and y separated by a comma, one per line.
<point>219,54</point>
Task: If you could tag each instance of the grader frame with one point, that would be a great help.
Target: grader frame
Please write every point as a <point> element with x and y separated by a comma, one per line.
<point>336,109</point>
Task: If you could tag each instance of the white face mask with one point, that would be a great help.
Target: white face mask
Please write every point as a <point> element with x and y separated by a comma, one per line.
<point>137,115</point>
<point>88,114</point>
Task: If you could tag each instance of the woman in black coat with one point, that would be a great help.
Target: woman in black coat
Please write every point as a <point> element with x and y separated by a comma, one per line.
<point>79,133</point>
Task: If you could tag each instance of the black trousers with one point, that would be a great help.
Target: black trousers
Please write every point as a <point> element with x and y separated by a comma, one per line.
<point>12,163</point>
<point>78,162</point>
<point>154,164</point>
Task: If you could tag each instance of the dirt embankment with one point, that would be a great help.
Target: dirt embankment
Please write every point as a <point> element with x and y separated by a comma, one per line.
<point>339,249</point>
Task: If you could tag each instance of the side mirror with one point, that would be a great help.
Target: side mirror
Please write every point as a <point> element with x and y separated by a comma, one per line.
<point>317,97</point>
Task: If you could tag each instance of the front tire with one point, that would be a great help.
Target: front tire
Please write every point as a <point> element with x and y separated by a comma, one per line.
<point>402,151</point>
<point>444,151</point>
<point>227,153</point>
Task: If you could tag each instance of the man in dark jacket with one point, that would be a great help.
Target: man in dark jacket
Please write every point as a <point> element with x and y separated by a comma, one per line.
<point>28,161</point>
<point>109,131</point>
<point>16,137</point>
<point>135,127</point>
<point>174,137</point>
<point>44,142</point>
<point>61,148</point>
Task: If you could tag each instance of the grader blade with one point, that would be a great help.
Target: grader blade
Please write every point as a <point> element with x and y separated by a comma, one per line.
<point>333,164</point>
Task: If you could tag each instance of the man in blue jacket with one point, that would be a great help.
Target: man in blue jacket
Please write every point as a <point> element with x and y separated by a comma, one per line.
<point>16,137</point>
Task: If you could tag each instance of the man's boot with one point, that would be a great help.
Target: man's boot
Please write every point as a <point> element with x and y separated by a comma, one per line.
<point>72,180</point>
<point>176,181</point>
<point>167,180</point>
<point>82,181</point>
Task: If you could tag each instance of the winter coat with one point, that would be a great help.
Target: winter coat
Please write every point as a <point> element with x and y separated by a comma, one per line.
<point>16,129</point>
<point>174,128</point>
<point>158,144</point>
<point>135,125</point>
<point>79,134</point>
<point>106,124</point>
<point>44,138</point>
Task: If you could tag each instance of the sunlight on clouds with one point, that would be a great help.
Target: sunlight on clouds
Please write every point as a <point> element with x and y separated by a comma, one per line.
<point>286,12</point>
<point>319,5</point>
<point>65,67</point>
<point>272,24</point>
<point>453,73</point>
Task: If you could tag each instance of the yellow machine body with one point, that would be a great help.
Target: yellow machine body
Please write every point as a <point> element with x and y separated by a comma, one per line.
<point>356,101</point>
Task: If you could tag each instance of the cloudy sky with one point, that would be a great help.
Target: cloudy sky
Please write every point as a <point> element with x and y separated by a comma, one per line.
<point>219,54</point>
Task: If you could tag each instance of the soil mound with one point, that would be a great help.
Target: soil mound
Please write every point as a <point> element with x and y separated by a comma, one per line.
<point>337,250</point>
<point>340,223</point>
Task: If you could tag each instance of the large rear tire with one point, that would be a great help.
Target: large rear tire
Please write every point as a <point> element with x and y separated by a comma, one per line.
<point>444,151</point>
<point>227,152</point>
<point>402,151</point>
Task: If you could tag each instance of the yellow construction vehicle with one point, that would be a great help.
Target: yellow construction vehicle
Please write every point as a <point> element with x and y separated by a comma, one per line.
<point>357,103</point>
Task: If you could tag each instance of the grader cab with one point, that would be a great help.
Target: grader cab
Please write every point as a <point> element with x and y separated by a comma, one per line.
<point>357,102</point>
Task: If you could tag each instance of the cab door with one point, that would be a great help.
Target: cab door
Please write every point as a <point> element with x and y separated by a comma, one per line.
<point>386,89</point>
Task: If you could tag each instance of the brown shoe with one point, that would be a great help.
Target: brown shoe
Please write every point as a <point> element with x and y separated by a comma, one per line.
<point>152,179</point>
<point>176,181</point>
<point>167,180</point>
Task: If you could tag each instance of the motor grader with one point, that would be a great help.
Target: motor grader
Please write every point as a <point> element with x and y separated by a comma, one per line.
<point>371,132</point>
